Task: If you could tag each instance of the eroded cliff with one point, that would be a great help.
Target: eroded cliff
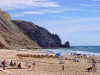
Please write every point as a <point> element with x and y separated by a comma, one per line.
<point>11,36</point>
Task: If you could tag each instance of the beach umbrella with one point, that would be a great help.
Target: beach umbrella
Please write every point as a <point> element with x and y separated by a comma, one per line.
<point>58,54</point>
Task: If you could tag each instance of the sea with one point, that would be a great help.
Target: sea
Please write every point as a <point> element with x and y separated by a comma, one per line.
<point>89,50</point>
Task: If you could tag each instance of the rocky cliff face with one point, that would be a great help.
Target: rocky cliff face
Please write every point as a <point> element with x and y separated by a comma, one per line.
<point>6,15</point>
<point>22,34</point>
<point>38,34</point>
<point>11,35</point>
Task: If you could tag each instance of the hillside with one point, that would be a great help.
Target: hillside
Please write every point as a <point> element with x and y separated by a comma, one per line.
<point>22,34</point>
<point>11,36</point>
<point>39,34</point>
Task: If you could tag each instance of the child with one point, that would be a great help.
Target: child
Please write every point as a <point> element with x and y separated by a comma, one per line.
<point>94,66</point>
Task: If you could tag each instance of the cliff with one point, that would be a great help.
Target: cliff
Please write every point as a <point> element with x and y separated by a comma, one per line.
<point>11,36</point>
<point>6,15</point>
<point>22,34</point>
<point>39,34</point>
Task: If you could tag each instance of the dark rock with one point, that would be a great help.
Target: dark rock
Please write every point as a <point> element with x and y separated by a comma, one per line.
<point>22,34</point>
<point>39,34</point>
<point>66,45</point>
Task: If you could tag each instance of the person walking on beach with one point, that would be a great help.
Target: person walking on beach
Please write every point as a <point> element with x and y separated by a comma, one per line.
<point>4,63</point>
<point>94,66</point>
<point>63,67</point>
<point>34,65</point>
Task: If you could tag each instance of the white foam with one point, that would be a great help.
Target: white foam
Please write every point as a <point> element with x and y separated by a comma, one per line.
<point>69,51</point>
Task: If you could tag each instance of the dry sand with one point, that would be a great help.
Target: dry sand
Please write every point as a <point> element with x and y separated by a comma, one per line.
<point>45,66</point>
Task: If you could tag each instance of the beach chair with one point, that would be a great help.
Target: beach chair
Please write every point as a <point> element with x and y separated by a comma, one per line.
<point>50,56</point>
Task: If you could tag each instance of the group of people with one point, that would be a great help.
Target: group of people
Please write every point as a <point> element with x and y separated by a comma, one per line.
<point>12,64</point>
<point>93,68</point>
<point>19,65</point>
<point>29,66</point>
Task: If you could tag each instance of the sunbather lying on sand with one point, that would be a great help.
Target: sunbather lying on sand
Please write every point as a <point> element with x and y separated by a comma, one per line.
<point>90,68</point>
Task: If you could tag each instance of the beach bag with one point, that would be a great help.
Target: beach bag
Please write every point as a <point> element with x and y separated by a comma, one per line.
<point>96,68</point>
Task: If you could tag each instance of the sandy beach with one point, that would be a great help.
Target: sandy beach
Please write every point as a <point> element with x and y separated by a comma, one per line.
<point>44,66</point>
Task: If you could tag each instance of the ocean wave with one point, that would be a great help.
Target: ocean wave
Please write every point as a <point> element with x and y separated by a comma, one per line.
<point>84,48</point>
<point>79,50</point>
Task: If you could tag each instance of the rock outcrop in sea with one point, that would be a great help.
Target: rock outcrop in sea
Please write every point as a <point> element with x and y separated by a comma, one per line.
<point>66,45</point>
<point>17,33</point>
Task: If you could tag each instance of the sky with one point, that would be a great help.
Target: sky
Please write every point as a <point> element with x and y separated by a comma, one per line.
<point>76,21</point>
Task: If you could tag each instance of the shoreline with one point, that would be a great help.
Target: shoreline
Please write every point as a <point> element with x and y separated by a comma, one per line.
<point>77,50</point>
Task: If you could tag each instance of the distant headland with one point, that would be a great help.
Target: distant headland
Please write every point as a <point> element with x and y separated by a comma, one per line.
<point>22,34</point>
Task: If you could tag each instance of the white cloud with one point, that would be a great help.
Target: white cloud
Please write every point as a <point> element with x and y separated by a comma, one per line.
<point>70,21</point>
<point>50,11</point>
<point>71,25</point>
<point>95,36</point>
<point>88,5</point>
<point>16,15</point>
<point>64,17</point>
<point>49,4</point>
<point>33,12</point>
<point>21,4</point>
<point>69,9</point>
<point>41,12</point>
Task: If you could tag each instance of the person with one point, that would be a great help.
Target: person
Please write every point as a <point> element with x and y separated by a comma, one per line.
<point>28,66</point>
<point>90,68</point>
<point>34,65</point>
<point>4,63</point>
<point>11,63</point>
<point>94,66</point>
<point>19,65</point>
<point>71,53</point>
<point>63,67</point>
<point>14,63</point>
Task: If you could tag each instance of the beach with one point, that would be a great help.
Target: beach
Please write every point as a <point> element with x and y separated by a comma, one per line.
<point>46,65</point>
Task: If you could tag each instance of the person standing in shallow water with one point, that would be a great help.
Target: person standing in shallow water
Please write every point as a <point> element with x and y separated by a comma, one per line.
<point>4,63</point>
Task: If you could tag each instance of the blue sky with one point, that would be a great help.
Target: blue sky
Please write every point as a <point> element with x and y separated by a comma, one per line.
<point>76,21</point>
